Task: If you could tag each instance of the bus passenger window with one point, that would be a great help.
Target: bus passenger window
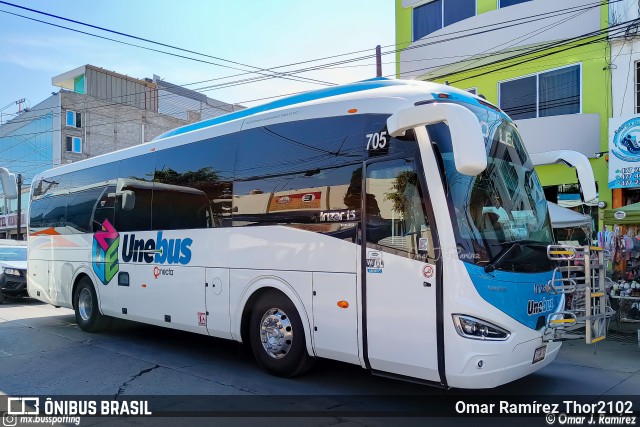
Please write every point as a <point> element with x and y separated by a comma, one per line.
<point>176,207</point>
<point>305,174</point>
<point>49,204</point>
<point>193,185</point>
<point>135,175</point>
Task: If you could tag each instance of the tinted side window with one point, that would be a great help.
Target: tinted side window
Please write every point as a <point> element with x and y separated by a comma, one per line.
<point>87,188</point>
<point>80,207</point>
<point>105,208</point>
<point>397,221</point>
<point>394,146</point>
<point>298,172</point>
<point>49,204</point>
<point>133,193</point>
<point>193,185</point>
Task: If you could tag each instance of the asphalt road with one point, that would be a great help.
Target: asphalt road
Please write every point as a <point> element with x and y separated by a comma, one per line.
<point>44,353</point>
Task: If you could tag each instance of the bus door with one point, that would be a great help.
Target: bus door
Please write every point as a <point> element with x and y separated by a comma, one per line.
<point>399,272</point>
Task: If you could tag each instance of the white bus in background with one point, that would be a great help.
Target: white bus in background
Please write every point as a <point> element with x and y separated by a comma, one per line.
<point>345,223</point>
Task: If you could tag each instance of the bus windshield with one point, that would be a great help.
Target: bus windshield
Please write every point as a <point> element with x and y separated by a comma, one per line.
<point>500,216</point>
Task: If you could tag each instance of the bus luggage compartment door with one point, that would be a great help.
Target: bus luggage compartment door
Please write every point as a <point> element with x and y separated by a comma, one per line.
<point>335,321</point>
<point>217,302</point>
<point>38,279</point>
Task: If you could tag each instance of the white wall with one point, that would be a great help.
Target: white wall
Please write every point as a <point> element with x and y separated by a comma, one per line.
<point>577,132</point>
<point>552,27</point>
<point>624,55</point>
<point>623,10</point>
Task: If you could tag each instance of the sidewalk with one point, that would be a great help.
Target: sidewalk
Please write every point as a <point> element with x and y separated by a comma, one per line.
<point>617,352</point>
<point>614,361</point>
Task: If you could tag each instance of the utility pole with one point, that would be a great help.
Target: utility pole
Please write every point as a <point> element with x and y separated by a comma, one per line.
<point>378,61</point>
<point>18,221</point>
<point>19,103</point>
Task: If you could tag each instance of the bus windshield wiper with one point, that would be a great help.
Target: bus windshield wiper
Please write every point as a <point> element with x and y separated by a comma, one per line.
<point>524,242</point>
<point>496,260</point>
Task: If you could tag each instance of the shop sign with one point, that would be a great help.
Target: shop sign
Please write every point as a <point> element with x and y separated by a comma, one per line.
<point>624,152</point>
<point>11,220</point>
<point>285,201</point>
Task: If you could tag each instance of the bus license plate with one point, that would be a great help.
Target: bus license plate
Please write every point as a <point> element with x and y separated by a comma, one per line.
<point>539,354</point>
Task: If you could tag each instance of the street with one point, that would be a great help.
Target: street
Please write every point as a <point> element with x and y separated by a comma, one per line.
<point>43,352</point>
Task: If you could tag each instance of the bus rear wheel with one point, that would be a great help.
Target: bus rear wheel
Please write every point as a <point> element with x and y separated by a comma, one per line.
<point>85,303</point>
<point>277,337</point>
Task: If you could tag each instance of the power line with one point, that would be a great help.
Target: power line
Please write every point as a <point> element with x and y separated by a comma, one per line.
<point>536,32</point>
<point>325,66</point>
<point>298,79</point>
<point>545,47</point>
<point>536,17</point>
<point>228,84</point>
<point>104,106</point>
<point>259,69</point>
<point>528,51</point>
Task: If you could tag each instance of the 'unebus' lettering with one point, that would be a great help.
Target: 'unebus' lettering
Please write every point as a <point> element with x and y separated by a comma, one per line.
<point>158,250</point>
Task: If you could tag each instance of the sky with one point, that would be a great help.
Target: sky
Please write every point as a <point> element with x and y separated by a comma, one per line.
<point>265,33</point>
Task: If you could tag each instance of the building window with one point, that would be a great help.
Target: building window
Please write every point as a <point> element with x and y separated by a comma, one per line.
<point>437,14</point>
<point>507,3</point>
<point>551,93</point>
<point>74,119</point>
<point>74,144</point>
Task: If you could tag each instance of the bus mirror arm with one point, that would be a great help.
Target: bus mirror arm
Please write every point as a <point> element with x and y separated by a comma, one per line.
<point>469,151</point>
<point>575,160</point>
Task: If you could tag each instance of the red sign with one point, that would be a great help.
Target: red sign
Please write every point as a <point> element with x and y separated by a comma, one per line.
<point>427,271</point>
<point>202,319</point>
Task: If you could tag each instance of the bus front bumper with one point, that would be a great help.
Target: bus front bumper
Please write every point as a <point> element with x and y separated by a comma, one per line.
<point>491,369</point>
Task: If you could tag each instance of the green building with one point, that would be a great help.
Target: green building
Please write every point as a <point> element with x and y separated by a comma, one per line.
<point>545,63</point>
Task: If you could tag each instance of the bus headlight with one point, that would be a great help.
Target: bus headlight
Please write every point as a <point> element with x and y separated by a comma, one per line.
<point>12,271</point>
<point>476,329</point>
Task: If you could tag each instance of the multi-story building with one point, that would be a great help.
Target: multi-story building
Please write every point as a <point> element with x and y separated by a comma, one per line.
<point>95,112</point>
<point>624,125</point>
<point>544,62</point>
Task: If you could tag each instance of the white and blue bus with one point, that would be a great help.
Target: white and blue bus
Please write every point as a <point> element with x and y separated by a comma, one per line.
<point>395,225</point>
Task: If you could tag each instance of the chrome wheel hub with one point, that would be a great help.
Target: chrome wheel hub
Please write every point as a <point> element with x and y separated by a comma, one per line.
<point>276,333</point>
<point>85,304</point>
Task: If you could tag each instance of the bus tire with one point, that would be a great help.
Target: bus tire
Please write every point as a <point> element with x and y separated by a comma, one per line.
<point>277,337</point>
<point>85,303</point>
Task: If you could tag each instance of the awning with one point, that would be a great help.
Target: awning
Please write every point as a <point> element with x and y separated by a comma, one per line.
<point>629,214</point>
<point>566,218</point>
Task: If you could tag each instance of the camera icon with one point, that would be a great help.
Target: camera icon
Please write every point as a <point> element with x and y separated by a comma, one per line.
<point>9,420</point>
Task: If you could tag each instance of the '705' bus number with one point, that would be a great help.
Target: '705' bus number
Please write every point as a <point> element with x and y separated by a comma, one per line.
<point>377,140</point>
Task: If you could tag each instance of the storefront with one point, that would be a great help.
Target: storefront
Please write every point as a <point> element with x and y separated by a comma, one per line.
<point>9,226</point>
<point>620,236</point>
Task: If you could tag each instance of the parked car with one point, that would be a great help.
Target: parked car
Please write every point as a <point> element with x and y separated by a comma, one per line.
<point>13,269</point>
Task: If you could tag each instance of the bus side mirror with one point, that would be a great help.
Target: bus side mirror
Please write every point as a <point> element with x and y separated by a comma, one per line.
<point>469,152</point>
<point>9,186</point>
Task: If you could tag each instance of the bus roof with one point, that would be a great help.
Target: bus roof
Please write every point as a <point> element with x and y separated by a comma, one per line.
<point>378,95</point>
<point>374,83</point>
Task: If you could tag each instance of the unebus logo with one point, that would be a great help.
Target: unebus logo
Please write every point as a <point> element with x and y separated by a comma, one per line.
<point>158,250</point>
<point>105,252</point>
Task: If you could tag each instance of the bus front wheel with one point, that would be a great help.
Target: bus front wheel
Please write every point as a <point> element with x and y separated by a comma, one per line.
<point>85,303</point>
<point>277,337</point>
